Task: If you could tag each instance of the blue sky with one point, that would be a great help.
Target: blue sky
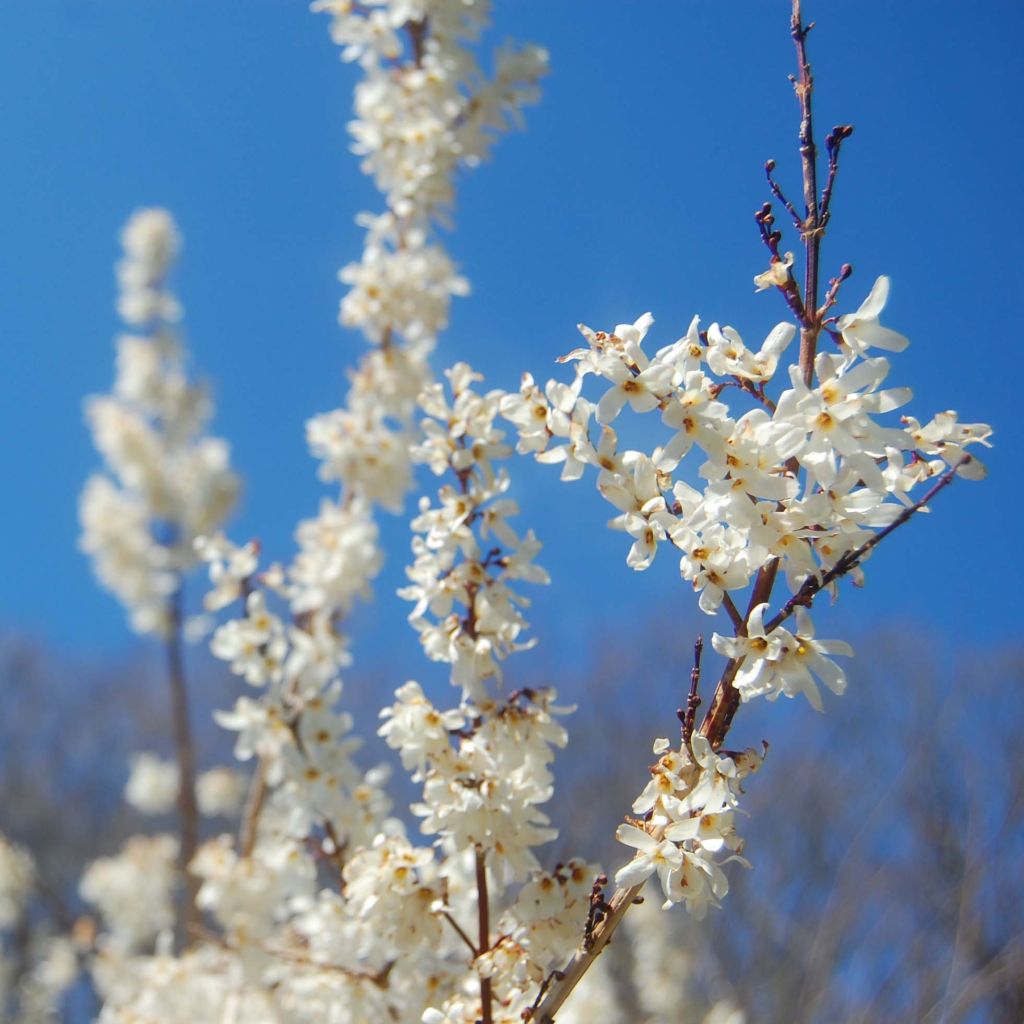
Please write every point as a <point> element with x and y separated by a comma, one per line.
<point>633,188</point>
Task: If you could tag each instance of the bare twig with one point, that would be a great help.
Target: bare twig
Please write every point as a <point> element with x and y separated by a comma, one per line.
<point>833,290</point>
<point>814,584</point>
<point>769,167</point>
<point>252,810</point>
<point>459,931</point>
<point>483,909</point>
<point>833,142</point>
<point>812,228</point>
<point>771,237</point>
<point>188,811</point>
<point>689,713</point>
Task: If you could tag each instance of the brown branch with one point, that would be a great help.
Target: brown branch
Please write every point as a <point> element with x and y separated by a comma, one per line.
<point>714,728</point>
<point>769,167</point>
<point>803,85</point>
<point>689,714</point>
<point>459,931</point>
<point>572,974</point>
<point>738,622</point>
<point>833,142</point>
<point>253,808</point>
<point>188,810</point>
<point>814,584</point>
<point>771,237</point>
<point>483,909</point>
<point>833,290</point>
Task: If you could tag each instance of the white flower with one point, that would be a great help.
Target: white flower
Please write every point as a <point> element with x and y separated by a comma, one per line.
<point>219,792</point>
<point>661,855</point>
<point>153,784</point>
<point>781,662</point>
<point>776,276</point>
<point>861,330</point>
<point>17,877</point>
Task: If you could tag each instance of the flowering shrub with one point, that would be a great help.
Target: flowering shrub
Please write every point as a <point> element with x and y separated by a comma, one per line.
<point>323,904</point>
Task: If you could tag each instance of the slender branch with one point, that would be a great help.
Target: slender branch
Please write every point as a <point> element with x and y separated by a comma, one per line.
<point>251,813</point>
<point>771,237</point>
<point>459,930</point>
<point>689,714</point>
<point>814,584</point>
<point>833,290</point>
<point>811,232</point>
<point>769,167</point>
<point>483,908</point>
<point>560,989</point>
<point>738,621</point>
<point>188,811</point>
<point>833,142</point>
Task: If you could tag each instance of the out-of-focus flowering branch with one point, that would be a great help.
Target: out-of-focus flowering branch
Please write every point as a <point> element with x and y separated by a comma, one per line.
<point>165,484</point>
<point>377,943</point>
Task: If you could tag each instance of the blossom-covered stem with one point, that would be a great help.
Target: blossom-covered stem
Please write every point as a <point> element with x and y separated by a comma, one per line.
<point>727,698</point>
<point>188,811</point>
<point>484,924</point>
<point>812,229</point>
<point>813,585</point>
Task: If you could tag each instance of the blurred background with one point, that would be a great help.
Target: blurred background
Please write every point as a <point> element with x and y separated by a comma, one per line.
<point>886,836</point>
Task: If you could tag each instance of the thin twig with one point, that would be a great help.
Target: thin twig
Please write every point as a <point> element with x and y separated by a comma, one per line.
<point>833,290</point>
<point>253,808</point>
<point>771,237</point>
<point>769,166</point>
<point>188,811</point>
<point>833,142</point>
<point>689,715</point>
<point>483,908</point>
<point>738,622</point>
<point>814,584</point>
<point>459,930</point>
<point>596,911</point>
<point>803,86</point>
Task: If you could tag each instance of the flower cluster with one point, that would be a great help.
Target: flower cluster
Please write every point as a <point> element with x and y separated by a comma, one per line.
<point>152,787</point>
<point>687,830</point>
<point>134,892</point>
<point>17,877</point>
<point>166,483</point>
<point>796,485</point>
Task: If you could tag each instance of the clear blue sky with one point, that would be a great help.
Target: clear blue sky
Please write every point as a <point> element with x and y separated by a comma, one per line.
<point>632,189</point>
